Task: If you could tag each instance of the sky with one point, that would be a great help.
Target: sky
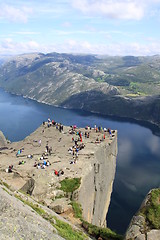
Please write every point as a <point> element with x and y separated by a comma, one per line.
<point>110,27</point>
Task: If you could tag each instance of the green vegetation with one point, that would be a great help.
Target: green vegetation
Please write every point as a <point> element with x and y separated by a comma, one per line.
<point>6,191</point>
<point>129,73</point>
<point>70,184</point>
<point>93,230</point>
<point>58,197</point>
<point>152,210</point>
<point>35,207</point>
<point>77,209</point>
<point>66,231</point>
<point>6,185</point>
<point>104,233</point>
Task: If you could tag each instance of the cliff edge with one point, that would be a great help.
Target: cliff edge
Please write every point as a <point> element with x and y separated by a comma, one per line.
<point>96,186</point>
<point>145,225</point>
<point>55,155</point>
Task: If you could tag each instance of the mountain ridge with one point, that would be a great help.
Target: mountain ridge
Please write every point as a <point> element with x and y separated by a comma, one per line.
<point>121,86</point>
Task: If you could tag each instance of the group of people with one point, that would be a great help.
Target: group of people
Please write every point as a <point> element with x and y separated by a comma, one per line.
<point>42,165</point>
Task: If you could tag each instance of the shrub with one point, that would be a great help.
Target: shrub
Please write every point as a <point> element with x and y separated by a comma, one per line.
<point>70,184</point>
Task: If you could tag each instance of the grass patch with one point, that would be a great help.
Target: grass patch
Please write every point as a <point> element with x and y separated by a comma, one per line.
<point>59,197</point>
<point>6,191</point>
<point>6,185</point>
<point>70,184</point>
<point>77,209</point>
<point>104,233</point>
<point>66,231</point>
<point>152,210</point>
<point>35,207</point>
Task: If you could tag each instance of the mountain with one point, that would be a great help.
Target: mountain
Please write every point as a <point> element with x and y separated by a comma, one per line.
<point>121,86</point>
<point>51,78</point>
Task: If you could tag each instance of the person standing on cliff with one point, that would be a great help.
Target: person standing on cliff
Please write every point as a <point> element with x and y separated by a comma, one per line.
<point>40,142</point>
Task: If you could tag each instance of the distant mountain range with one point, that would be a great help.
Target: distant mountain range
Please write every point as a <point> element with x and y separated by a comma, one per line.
<point>121,86</point>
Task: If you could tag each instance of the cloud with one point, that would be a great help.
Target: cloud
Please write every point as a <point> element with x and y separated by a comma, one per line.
<point>8,46</point>
<point>14,14</point>
<point>115,9</point>
<point>27,33</point>
<point>67,24</point>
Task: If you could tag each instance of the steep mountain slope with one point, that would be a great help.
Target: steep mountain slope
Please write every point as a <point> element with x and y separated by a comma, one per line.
<point>121,86</point>
<point>51,78</point>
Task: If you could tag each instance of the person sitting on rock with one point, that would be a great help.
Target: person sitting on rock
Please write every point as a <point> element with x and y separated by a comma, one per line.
<point>10,168</point>
<point>48,163</point>
<point>21,162</point>
<point>60,172</point>
<point>38,166</point>
<point>35,164</point>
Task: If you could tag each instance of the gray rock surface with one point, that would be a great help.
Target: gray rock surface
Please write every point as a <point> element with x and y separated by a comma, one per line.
<point>3,141</point>
<point>153,235</point>
<point>96,186</point>
<point>18,221</point>
<point>140,228</point>
<point>136,228</point>
<point>60,205</point>
<point>95,166</point>
<point>141,237</point>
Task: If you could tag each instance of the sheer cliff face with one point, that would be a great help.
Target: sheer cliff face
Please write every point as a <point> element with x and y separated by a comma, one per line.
<point>96,187</point>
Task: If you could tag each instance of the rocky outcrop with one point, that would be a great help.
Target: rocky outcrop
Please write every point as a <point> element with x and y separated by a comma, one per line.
<point>60,205</point>
<point>18,221</point>
<point>28,186</point>
<point>145,224</point>
<point>3,141</point>
<point>96,186</point>
<point>95,165</point>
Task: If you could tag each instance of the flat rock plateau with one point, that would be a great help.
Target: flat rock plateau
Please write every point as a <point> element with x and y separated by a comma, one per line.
<point>41,184</point>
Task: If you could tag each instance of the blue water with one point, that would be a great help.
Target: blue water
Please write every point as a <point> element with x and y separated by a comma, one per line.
<point>138,161</point>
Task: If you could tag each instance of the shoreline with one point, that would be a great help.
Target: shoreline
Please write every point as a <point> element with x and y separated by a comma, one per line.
<point>145,123</point>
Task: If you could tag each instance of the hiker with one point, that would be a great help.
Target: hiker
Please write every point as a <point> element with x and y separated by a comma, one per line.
<point>48,163</point>
<point>40,142</point>
<point>38,166</point>
<point>60,172</point>
<point>77,152</point>
<point>49,150</point>
<point>35,164</point>
<point>47,147</point>
<point>21,162</point>
<point>9,170</point>
<point>18,152</point>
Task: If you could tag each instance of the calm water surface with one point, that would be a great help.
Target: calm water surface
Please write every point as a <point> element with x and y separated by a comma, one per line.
<point>138,161</point>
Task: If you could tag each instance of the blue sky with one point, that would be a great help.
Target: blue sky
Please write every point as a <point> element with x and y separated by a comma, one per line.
<point>112,27</point>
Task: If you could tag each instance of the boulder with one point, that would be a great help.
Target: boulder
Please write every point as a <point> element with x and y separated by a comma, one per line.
<point>60,205</point>
<point>28,186</point>
<point>153,235</point>
<point>136,228</point>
